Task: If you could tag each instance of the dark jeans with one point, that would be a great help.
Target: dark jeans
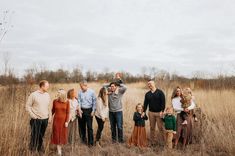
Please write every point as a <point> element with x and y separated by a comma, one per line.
<point>86,122</point>
<point>183,115</point>
<point>116,123</point>
<point>100,123</point>
<point>38,128</point>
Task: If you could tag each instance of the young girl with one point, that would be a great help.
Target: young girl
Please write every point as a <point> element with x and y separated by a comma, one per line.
<point>101,113</point>
<point>138,137</point>
<point>193,99</point>
<point>60,111</point>
<point>170,126</point>
<point>74,111</point>
<point>187,99</point>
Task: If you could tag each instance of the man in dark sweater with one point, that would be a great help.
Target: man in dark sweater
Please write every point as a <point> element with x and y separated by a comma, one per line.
<point>155,101</point>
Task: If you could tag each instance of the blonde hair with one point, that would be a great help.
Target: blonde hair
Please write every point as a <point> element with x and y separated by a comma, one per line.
<point>62,95</point>
<point>139,104</point>
<point>169,108</point>
<point>70,93</point>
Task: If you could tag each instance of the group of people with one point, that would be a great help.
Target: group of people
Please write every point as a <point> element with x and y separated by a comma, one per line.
<point>73,113</point>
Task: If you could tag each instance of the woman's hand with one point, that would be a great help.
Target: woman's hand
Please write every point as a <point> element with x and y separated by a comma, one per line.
<point>79,113</point>
<point>66,124</point>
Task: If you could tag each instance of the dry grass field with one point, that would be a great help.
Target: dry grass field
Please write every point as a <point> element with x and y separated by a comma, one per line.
<point>216,127</point>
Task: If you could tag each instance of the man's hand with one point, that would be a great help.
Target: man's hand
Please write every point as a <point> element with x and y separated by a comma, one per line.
<point>186,110</point>
<point>143,114</point>
<point>161,114</point>
<point>50,120</point>
<point>92,113</point>
<point>174,132</point>
<point>103,119</point>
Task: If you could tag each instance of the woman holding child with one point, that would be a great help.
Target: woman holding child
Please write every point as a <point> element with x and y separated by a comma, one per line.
<point>183,105</point>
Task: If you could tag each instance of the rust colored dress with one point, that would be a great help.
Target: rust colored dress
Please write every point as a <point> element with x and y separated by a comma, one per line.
<point>60,110</point>
<point>138,137</point>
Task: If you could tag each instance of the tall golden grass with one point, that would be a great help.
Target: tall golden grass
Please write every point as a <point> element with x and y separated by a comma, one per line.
<point>216,134</point>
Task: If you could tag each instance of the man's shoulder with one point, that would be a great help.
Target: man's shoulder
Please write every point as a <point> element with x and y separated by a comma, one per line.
<point>34,93</point>
<point>160,91</point>
<point>148,92</point>
<point>170,116</point>
<point>91,90</point>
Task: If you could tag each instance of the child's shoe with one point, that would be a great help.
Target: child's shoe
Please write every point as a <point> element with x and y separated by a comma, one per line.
<point>98,144</point>
<point>185,122</point>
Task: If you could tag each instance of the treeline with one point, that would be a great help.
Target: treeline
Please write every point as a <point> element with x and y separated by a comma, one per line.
<point>163,78</point>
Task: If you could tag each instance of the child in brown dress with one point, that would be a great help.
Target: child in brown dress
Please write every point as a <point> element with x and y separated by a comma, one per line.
<point>139,136</point>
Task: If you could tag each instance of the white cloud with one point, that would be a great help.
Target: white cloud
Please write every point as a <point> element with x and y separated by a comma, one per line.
<point>183,36</point>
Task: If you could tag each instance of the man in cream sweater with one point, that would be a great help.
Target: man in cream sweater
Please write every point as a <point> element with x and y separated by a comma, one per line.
<point>39,109</point>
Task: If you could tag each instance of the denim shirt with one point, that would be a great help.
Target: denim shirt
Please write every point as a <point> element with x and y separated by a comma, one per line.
<point>87,99</point>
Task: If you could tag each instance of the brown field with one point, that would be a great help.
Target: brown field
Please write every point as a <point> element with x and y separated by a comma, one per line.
<point>217,131</point>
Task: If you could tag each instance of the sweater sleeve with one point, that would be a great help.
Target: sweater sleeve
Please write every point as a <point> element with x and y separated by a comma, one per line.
<point>122,89</point>
<point>192,106</point>
<point>50,108</point>
<point>174,123</point>
<point>146,102</point>
<point>145,117</point>
<point>107,86</point>
<point>136,117</point>
<point>94,102</point>
<point>104,112</point>
<point>163,101</point>
<point>67,111</point>
<point>53,108</point>
<point>28,107</point>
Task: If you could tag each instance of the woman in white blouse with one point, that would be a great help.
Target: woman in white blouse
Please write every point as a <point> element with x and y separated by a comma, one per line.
<point>184,131</point>
<point>101,113</point>
<point>74,111</point>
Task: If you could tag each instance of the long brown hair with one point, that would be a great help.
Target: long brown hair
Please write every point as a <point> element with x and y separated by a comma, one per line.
<point>103,96</point>
<point>174,94</point>
<point>70,93</point>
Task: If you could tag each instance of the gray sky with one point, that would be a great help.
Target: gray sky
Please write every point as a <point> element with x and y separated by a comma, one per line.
<point>179,36</point>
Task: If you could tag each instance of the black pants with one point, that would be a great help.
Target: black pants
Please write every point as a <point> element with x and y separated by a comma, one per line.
<point>100,123</point>
<point>38,128</point>
<point>86,123</point>
<point>183,115</point>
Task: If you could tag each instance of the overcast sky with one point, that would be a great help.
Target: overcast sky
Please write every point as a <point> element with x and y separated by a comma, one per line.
<point>180,36</point>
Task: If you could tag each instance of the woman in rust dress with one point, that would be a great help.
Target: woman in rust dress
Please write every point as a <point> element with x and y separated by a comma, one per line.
<point>60,111</point>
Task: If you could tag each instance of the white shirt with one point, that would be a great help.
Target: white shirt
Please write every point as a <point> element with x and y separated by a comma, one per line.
<point>101,109</point>
<point>74,106</point>
<point>177,105</point>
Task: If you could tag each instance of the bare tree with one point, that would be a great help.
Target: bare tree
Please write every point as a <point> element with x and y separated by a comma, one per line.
<point>6,62</point>
<point>5,23</point>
